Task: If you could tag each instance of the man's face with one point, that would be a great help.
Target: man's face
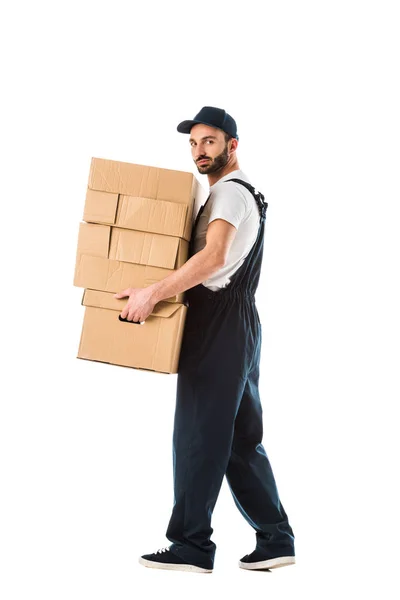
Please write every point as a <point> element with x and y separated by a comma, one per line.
<point>209,149</point>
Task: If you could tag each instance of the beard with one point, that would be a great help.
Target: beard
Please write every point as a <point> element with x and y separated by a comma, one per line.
<point>215,164</point>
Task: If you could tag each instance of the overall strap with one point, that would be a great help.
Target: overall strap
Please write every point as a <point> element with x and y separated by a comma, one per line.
<point>259,198</point>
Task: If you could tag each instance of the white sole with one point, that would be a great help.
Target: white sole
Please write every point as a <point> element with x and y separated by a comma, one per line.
<point>172,567</point>
<point>272,563</point>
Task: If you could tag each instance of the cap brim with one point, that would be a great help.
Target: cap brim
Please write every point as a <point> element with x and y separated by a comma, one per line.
<point>186,126</point>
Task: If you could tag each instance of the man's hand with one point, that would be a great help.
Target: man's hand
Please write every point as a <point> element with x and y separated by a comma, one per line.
<point>140,304</point>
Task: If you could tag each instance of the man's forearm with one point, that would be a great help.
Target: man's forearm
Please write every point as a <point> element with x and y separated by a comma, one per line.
<point>197,269</point>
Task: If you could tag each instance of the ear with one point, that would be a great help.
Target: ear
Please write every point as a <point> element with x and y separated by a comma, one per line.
<point>234,144</point>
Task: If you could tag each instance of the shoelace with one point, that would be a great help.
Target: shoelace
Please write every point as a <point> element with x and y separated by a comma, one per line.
<point>161,550</point>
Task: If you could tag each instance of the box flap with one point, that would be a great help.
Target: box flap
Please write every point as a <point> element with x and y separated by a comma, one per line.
<point>100,207</point>
<point>93,240</point>
<point>166,309</point>
<point>143,248</point>
<point>183,253</point>
<point>140,180</point>
<point>155,216</point>
<point>103,274</point>
<point>100,299</point>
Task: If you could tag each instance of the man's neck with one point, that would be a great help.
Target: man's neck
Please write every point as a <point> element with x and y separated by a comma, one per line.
<point>229,167</point>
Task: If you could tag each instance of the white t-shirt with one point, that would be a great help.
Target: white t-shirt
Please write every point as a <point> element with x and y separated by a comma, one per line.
<point>234,203</point>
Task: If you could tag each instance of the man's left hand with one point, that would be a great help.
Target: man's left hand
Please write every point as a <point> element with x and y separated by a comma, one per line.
<point>140,304</point>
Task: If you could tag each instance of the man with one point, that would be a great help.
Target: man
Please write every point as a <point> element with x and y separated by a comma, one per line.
<point>218,417</point>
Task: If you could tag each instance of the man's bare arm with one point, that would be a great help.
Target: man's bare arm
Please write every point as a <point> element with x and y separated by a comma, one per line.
<point>202,265</point>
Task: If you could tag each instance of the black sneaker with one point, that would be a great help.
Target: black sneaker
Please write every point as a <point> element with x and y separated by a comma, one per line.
<point>165,559</point>
<point>258,560</point>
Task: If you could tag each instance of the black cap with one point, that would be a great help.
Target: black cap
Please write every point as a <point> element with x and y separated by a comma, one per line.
<point>215,117</point>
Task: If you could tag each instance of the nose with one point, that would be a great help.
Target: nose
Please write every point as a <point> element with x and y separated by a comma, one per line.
<point>199,151</point>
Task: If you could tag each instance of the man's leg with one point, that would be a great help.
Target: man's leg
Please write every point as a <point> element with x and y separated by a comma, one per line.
<point>250,477</point>
<point>202,440</point>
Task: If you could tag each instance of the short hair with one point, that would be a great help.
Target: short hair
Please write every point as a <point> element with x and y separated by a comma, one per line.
<point>227,137</point>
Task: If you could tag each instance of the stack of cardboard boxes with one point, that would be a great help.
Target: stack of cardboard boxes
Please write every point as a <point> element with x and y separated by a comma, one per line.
<point>136,231</point>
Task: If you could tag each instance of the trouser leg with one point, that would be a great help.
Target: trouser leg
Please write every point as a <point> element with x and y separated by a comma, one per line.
<point>218,349</point>
<point>250,477</point>
<point>202,440</point>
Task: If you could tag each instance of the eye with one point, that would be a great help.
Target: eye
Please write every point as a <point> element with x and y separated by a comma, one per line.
<point>210,142</point>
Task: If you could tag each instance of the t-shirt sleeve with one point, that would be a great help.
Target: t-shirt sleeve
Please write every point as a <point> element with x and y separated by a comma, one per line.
<point>228,203</point>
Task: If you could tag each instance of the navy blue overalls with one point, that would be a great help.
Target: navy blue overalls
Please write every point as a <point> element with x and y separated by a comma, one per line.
<point>218,417</point>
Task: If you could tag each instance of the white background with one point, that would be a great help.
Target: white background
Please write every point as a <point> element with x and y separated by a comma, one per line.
<point>86,459</point>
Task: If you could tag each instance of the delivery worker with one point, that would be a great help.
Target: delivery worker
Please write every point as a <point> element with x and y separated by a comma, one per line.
<point>218,424</point>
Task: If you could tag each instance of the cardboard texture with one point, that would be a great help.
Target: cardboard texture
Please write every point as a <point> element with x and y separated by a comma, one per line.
<point>138,223</point>
<point>136,247</point>
<point>107,275</point>
<point>154,345</point>
<point>118,246</point>
<point>144,214</point>
<point>141,197</point>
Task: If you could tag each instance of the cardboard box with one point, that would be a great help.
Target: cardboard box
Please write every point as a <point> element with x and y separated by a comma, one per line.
<point>142,198</point>
<point>143,214</point>
<point>153,258</point>
<point>103,274</point>
<point>154,345</point>
<point>137,247</point>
